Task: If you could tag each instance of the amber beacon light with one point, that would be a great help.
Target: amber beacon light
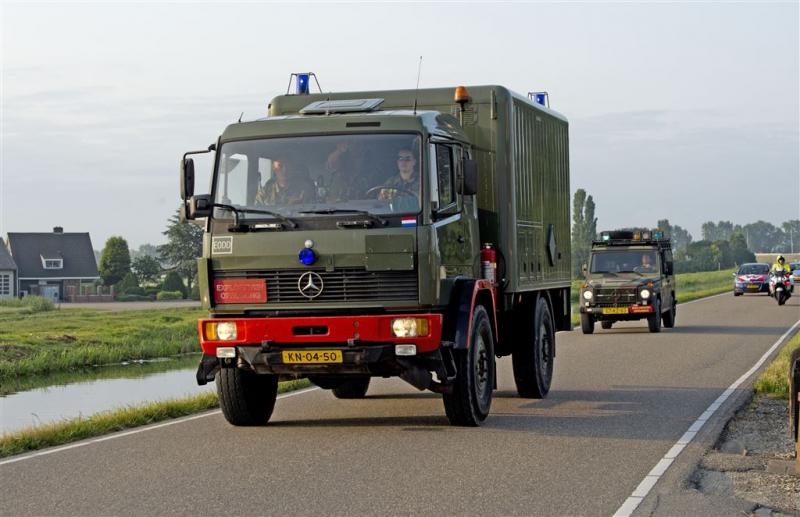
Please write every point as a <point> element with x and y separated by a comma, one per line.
<point>461,96</point>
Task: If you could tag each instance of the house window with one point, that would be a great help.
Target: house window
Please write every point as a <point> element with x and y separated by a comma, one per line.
<point>53,263</point>
<point>5,284</point>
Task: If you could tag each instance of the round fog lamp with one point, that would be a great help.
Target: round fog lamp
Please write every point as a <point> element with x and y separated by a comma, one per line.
<point>587,295</point>
<point>226,331</point>
<point>645,294</point>
<point>404,327</point>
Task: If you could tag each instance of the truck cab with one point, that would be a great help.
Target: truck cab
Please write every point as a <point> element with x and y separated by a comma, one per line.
<point>344,240</point>
<point>629,277</point>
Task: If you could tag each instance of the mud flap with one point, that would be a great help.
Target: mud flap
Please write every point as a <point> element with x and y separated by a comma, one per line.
<point>207,369</point>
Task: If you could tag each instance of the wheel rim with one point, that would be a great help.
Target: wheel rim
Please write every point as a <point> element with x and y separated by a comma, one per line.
<point>481,371</point>
<point>544,352</point>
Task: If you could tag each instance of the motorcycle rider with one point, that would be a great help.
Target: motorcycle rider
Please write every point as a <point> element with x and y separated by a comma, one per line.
<point>781,265</point>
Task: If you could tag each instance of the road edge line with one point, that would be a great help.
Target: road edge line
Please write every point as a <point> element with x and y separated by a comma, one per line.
<point>646,485</point>
<point>122,434</point>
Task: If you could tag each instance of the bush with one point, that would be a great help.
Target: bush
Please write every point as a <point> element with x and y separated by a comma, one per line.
<point>129,285</point>
<point>33,303</point>
<point>134,298</point>
<point>169,295</point>
<point>174,282</point>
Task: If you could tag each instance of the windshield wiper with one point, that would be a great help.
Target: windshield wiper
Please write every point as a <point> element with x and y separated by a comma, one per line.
<point>380,220</point>
<point>238,210</point>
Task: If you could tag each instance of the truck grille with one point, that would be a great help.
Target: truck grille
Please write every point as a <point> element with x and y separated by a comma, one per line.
<point>341,285</point>
<point>605,296</point>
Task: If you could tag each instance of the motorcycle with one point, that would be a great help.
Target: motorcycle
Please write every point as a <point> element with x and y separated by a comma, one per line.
<point>780,285</point>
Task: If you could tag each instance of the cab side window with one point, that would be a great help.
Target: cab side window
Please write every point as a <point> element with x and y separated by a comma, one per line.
<point>446,175</point>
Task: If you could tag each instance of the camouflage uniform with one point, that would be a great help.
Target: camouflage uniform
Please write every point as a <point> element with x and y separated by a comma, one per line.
<point>297,191</point>
<point>344,187</point>
<point>403,186</point>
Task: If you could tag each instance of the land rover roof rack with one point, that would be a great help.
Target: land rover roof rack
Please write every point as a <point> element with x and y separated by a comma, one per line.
<point>627,238</point>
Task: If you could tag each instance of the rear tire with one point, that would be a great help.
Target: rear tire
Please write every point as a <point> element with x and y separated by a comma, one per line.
<point>587,323</point>
<point>246,398</point>
<point>471,398</point>
<point>352,388</point>
<point>533,359</point>
<point>668,318</point>
<point>606,324</point>
<point>737,294</point>
<point>654,320</point>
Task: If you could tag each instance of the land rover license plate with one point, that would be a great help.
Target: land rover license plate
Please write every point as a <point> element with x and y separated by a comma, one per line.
<point>312,356</point>
<point>615,310</point>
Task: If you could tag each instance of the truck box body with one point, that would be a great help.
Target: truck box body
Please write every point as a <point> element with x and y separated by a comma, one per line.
<point>522,154</point>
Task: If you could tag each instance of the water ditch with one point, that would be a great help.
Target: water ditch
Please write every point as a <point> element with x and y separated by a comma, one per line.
<point>46,399</point>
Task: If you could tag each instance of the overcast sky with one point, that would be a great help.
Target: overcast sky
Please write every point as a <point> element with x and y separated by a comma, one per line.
<point>681,110</point>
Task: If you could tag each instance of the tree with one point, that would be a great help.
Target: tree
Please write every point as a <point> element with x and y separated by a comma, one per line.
<point>720,231</point>
<point>115,261</point>
<point>584,229</point>
<point>146,268</point>
<point>739,251</point>
<point>184,245</point>
<point>173,282</point>
<point>680,238</point>
<point>791,231</point>
<point>148,250</point>
<point>129,285</point>
<point>763,236</point>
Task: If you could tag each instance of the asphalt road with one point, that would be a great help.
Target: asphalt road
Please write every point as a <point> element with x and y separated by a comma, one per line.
<point>620,400</point>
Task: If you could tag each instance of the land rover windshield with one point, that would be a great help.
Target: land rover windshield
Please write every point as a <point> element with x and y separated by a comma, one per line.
<point>319,176</point>
<point>625,261</point>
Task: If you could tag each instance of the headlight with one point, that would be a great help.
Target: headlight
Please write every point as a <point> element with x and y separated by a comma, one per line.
<point>645,294</point>
<point>410,327</point>
<point>587,295</point>
<point>221,331</point>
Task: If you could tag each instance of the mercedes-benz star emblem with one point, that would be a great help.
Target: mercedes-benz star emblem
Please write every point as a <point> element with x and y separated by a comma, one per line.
<point>310,285</point>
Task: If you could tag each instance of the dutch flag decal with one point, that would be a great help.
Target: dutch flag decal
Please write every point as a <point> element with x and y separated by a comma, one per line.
<point>408,221</point>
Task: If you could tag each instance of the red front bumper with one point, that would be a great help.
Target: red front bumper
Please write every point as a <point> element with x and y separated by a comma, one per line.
<point>333,330</point>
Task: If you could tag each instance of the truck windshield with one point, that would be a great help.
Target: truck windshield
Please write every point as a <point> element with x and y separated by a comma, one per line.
<point>625,261</point>
<point>312,176</point>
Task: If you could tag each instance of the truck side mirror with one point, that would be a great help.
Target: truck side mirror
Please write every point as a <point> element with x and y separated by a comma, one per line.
<point>584,269</point>
<point>187,178</point>
<point>199,206</point>
<point>469,181</point>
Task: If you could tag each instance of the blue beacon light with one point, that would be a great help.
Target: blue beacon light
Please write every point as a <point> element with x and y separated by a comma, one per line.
<point>303,84</point>
<point>307,256</point>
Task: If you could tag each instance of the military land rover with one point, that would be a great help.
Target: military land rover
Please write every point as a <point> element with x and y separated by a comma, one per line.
<point>629,277</point>
<point>409,233</point>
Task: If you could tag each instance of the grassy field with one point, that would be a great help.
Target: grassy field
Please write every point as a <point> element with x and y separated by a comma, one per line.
<point>774,380</point>
<point>58,340</point>
<point>107,422</point>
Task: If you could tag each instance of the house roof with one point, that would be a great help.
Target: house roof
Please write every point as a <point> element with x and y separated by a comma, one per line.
<point>6,262</point>
<point>29,250</point>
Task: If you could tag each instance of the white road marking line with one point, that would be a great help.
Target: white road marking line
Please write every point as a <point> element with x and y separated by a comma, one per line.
<point>650,480</point>
<point>705,298</point>
<point>134,431</point>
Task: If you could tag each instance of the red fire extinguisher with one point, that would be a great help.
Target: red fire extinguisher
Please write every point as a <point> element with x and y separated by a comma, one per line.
<point>489,263</point>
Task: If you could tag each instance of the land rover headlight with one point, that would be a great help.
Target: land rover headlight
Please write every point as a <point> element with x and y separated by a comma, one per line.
<point>587,295</point>
<point>409,327</point>
<point>645,294</point>
<point>221,331</point>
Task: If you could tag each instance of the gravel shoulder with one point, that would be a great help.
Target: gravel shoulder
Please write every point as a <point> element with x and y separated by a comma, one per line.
<point>752,463</point>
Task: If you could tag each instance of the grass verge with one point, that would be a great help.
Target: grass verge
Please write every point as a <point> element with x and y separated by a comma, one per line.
<point>61,340</point>
<point>774,380</point>
<point>59,433</point>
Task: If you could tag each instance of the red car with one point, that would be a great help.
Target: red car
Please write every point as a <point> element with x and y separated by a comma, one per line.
<point>751,278</point>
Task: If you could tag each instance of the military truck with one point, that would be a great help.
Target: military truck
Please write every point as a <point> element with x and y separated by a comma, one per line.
<point>629,277</point>
<point>408,233</point>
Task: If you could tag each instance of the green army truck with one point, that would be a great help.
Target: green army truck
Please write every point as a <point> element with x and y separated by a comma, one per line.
<point>629,277</point>
<point>410,233</point>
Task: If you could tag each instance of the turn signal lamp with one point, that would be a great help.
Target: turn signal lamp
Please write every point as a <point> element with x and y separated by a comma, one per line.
<point>637,236</point>
<point>220,331</point>
<point>409,327</point>
<point>461,95</point>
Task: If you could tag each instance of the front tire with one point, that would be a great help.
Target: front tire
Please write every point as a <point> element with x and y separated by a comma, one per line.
<point>654,320</point>
<point>246,398</point>
<point>668,318</point>
<point>533,359</point>
<point>352,388</point>
<point>587,323</point>
<point>471,398</point>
